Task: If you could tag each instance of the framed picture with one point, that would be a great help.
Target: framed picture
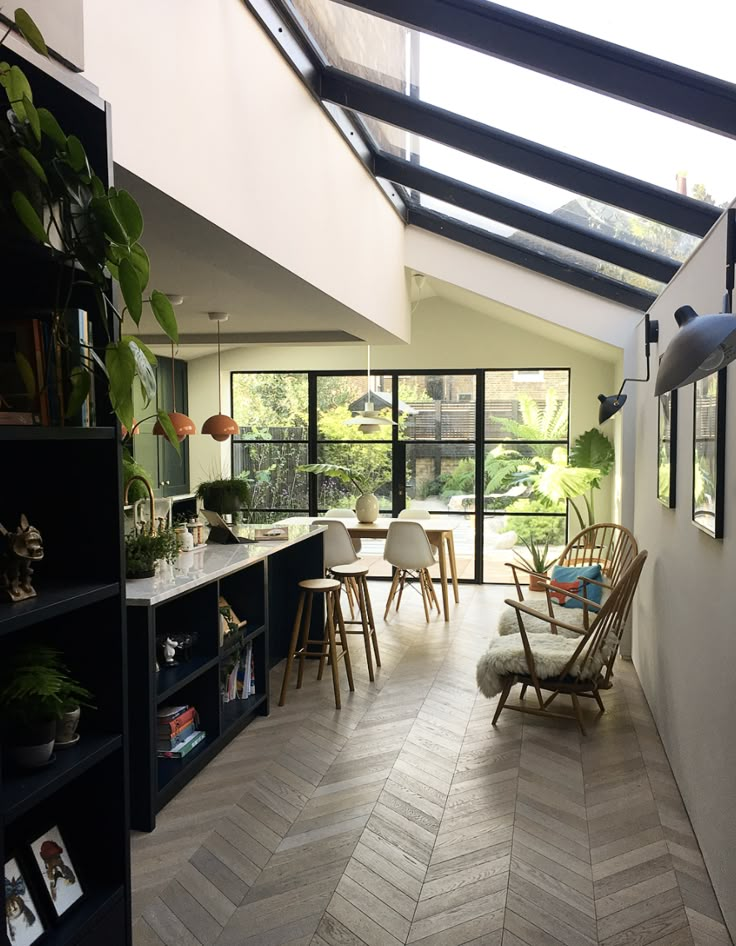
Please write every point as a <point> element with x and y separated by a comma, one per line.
<point>709,446</point>
<point>667,449</point>
<point>57,869</point>
<point>22,921</point>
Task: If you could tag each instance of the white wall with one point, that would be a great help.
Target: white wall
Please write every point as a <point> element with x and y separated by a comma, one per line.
<point>684,638</point>
<point>61,24</point>
<point>444,335</point>
<point>206,109</point>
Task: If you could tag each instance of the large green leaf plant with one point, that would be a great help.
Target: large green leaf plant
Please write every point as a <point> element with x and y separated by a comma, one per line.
<point>93,231</point>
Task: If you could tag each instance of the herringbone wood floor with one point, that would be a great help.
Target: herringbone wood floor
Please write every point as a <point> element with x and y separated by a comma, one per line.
<point>405,818</point>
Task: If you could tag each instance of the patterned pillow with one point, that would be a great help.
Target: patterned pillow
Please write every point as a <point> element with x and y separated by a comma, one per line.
<point>558,588</point>
<point>565,573</point>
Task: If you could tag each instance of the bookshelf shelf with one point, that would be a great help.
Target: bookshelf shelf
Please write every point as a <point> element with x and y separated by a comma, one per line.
<point>171,770</point>
<point>237,710</point>
<point>171,679</point>
<point>52,601</point>
<point>233,641</point>
<point>87,919</point>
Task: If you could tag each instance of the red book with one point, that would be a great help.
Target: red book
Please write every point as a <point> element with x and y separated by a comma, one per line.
<point>176,725</point>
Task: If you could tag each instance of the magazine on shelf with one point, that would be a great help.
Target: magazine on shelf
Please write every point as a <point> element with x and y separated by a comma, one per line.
<point>183,748</point>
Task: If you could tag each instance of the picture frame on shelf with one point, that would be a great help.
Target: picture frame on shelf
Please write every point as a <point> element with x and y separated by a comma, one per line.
<point>667,449</point>
<point>23,922</point>
<point>709,449</point>
<point>58,871</point>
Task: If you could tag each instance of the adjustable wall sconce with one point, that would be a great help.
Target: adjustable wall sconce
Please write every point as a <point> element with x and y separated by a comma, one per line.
<point>611,404</point>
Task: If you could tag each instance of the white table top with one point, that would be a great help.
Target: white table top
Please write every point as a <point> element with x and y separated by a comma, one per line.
<point>435,524</point>
<point>207,563</point>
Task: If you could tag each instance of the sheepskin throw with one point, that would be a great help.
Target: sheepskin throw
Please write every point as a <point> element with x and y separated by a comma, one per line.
<point>505,656</point>
<point>507,623</point>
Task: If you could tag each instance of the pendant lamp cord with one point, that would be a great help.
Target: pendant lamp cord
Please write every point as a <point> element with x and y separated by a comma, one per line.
<point>219,374</point>
<point>173,382</point>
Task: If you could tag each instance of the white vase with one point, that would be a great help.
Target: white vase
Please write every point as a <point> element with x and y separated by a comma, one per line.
<point>366,508</point>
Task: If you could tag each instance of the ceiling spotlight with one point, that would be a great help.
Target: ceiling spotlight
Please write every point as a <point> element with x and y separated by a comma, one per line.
<point>704,344</point>
<point>611,404</point>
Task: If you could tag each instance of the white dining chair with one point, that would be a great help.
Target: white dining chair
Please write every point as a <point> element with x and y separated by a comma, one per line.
<point>343,513</point>
<point>409,550</point>
<point>415,514</point>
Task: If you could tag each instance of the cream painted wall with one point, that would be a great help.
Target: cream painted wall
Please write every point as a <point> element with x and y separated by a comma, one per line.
<point>444,335</point>
<point>61,23</point>
<point>214,116</point>
<point>684,643</point>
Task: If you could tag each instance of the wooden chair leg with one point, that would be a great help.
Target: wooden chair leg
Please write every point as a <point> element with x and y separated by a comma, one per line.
<point>292,647</point>
<point>371,621</point>
<point>392,592</point>
<point>330,627</point>
<point>402,582</point>
<point>366,629</point>
<point>425,594</point>
<point>430,586</point>
<point>337,616</point>
<point>523,691</point>
<point>502,701</point>
<point>578,713</point>
<point>599,701</point>
<point>307,619</point>
<point>350,594</point>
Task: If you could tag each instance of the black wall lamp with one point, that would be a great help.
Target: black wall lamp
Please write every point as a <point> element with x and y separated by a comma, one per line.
<point>704,344</point>
<point>613,403</point>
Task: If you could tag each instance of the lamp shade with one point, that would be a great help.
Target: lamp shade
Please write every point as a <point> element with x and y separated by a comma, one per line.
<point>609,406</point>
<point>183,426</point>
<point>220,427</point>
<point>704,344</point>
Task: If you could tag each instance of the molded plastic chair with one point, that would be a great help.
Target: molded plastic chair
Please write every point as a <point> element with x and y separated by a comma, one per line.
<point>343,513</point>
<point>408,549</point>
<point>415,514</point>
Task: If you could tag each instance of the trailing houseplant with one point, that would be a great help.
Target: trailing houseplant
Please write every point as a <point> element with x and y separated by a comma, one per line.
<point>145,546</point>
<point>366,504</point>
<point>35,691</point>
<point>226,495</point>
<point>93,234</point>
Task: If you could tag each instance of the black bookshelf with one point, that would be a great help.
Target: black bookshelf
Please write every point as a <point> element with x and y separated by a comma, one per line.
<point>67,480</point>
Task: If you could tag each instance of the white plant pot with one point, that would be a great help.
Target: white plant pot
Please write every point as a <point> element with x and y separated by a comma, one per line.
<point>366,508</point>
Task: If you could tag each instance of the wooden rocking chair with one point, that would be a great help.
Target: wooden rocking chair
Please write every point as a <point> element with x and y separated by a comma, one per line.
<point>589,668</point>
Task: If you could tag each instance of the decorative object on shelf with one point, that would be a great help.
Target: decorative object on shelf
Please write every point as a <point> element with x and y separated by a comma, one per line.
<point>182,425</point>
<point>230,623</point>
<point>538,560</point>
<point>58,870</point>
<point>270,534</point>
<point>226,495</point>
<point>35,690</point>
<point>366,505</point>
<point>219,426</point>
<point>369,420</point>
<point>183,642</point>
<point>667,449</point>
<point>19,550</point>
<point>22,920</point>
<point>613,403</point>
<point>167,651</point>
<point>709,446</point>
<point>145,544</point>
<point>56,197</point>
<point>73,697</point>
<point>703,345</point>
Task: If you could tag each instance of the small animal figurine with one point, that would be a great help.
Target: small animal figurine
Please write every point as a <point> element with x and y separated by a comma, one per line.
<point>17,550</point>
<point>56,869</point>
<point>16,909</point>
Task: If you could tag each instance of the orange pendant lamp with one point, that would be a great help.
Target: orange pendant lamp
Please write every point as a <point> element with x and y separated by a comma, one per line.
<point>219,426</point>
<point>183,425</point>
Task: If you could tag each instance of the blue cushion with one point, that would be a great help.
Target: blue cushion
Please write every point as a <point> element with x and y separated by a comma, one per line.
<point>572,573</point>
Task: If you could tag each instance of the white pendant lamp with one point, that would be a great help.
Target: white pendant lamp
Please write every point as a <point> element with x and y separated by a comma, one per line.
<point>219,426</point>
<point>703,345</point>
<point>369,420</point>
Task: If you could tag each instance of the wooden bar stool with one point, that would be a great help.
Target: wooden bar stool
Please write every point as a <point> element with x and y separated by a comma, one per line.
<point>300,642</point>
<point>355,575</point>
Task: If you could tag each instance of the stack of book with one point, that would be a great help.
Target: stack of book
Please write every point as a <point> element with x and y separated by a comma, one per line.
<point>177,731</point>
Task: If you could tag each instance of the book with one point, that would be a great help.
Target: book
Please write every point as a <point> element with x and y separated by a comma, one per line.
<point>175,725</point>
<point>176,738</point>
<point>169,713</point>
<point>183,748</point>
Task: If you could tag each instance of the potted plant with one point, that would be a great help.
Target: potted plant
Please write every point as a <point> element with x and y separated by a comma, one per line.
<point>51,195</point>
<point>227,495</point>
<point>145,546</point>
<point>35,691</point>
<point>538,560</point>
<point>366,504</point>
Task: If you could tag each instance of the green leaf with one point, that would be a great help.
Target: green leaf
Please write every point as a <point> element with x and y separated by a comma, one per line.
<point>32,118</point>
<point>81,383</point>
<point>18,88</point>
<point>28,216</point>
<point>142,367</point>
<point>33,163</point>
<point>139,258</point>
<point>150,357</point>
<point>51,128</point>
<point>105,216</point>
<point>120,366</point>
<point>26,373</point>
<point>30,32</point>
<point>168,427</point>
<point>76,156</point>
<point>98,188</point>
<point>593,450</point>
<point>164,312</point>
<point>129,214</point>
<point>557,483</point>
<point>131,288</point>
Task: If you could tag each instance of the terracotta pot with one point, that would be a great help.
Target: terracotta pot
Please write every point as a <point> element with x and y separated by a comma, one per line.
<point>366,508</point>
<point>66,727</point>
<point>536,583</point>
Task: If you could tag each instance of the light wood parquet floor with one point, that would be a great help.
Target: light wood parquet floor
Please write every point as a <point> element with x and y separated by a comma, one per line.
<point>404,818</point>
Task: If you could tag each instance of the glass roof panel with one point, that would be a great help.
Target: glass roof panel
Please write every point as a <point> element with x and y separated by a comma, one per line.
<point>562,254</point>
<point>539,108</point>
<point>565,205</point>
<point>675,35</point>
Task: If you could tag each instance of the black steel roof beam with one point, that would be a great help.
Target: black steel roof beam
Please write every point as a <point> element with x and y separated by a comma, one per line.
<point>562,53</point>
<point>512,214</point>
<point>504,249</point>
<point>517,153</point>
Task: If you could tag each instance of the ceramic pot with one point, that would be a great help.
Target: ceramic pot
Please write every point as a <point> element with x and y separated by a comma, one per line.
<point>30,745</point>
<point>148,573</point>
<point>366,508</point>
<point>536,584</point>
<point>66,727</point>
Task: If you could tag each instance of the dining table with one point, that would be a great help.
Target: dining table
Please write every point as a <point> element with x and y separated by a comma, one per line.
<point>439,531</point>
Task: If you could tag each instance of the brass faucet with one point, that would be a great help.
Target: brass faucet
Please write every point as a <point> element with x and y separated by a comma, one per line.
<point>150,496</point>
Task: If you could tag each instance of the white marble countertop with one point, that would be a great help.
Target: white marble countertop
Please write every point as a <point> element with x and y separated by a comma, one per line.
<point>205,564</point>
